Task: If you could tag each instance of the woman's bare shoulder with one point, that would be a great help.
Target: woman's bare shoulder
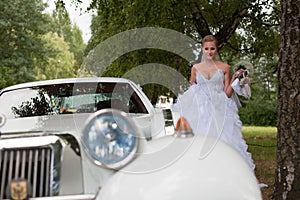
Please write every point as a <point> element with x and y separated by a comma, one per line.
<point>222,65</point>
<point>195,68</point>
<point>197,65</point>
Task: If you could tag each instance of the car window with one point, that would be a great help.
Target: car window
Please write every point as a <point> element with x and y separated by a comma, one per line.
<point>70,99</point>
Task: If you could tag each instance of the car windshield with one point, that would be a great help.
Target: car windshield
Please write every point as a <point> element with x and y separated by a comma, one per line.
<point>69,99</point>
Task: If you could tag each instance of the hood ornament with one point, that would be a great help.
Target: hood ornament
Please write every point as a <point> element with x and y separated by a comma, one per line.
<point>183,129</point>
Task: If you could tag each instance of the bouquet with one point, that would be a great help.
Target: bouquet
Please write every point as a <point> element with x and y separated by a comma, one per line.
<point>242,83</point>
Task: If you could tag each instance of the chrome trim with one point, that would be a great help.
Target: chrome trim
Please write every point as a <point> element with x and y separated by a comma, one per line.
<point>183,134</point>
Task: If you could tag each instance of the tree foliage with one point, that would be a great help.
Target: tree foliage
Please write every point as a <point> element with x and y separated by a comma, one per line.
<point>243,26</point>
<point>71,34</point>
<point>61,64</point>
<point>21,24</point>
<point>35,45</point>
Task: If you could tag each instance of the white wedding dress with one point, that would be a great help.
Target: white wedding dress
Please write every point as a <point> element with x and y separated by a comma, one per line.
<point>210,112</point>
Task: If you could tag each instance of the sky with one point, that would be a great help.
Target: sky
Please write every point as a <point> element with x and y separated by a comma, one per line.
<point>81,19</point>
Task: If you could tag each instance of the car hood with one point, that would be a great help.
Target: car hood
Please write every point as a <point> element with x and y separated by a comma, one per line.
<point>177,168</point>
<point>57,123</point>
<point>53,123</point>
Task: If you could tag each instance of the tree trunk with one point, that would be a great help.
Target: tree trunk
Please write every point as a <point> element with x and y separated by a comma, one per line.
<point>287,180</point>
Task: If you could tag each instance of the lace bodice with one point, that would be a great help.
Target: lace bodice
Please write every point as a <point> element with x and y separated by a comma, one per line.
<point>212,85</point>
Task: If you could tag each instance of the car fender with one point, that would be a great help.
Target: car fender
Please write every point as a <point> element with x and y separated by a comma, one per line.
<point>175,168</point>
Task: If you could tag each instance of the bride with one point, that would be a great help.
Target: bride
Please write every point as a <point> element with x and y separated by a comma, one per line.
<point>208,105</point>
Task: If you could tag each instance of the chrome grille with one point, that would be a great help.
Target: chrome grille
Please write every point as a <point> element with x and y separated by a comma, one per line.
<point>32,164</point>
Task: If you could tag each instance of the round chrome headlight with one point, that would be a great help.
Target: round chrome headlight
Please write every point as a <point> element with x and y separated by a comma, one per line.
<point>111,138</point>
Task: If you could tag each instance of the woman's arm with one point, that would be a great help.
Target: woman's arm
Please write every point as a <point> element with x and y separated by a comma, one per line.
<point>227,82</point>
<point>193,75</point>
<point>227,85</point>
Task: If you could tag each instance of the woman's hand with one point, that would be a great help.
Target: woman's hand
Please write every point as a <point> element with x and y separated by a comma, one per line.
<point>239,73</point>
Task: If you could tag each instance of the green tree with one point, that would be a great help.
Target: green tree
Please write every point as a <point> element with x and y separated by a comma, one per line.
<point>138,14</point>
<point>61,64</point>
<point>61,24</point>
<point>243,26</point>
<point>21,24</point>
<point>261,109</point>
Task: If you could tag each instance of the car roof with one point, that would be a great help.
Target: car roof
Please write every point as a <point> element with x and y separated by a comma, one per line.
<point>68,80</point>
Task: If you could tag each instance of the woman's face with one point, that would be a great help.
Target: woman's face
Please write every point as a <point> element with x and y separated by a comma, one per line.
<point>210,50</point>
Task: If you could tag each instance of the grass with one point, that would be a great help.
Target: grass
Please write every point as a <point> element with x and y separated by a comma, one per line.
<point>259,132</point>
<point>262,144</point>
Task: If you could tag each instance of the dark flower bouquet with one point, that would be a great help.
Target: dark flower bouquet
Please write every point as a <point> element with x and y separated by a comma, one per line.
<point>243,81</point>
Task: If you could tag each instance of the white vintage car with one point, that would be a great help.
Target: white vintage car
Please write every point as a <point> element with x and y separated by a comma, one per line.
<point>100,138</point>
